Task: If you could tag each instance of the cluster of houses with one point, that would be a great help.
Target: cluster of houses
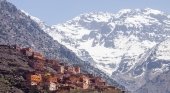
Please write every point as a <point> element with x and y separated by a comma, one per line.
<point>56,76</point>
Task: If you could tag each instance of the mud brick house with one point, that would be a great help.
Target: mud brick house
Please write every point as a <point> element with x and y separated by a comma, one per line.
<point>55,64</point>
<point>37,55</point>
<point>92,82</point>
<point>72,70</point>
<point>97,81</point>
<point>27,51</point>
<point>59,68</point>
<point>52,78</point>
<point>85,81</point>
<point>79,80</point>
<point>60,77</point>
<point>34,79</point>
<point>52,82</point>
<point>68,69</point>
<point>71,79</point>
<point>77,69</point>
<point>52,86</point>
<point>37,64</point>
<point>52,63</point>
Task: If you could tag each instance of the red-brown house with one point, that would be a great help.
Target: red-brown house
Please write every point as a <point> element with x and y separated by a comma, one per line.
<point>97,81</point>
<point>37,64</point>
<point>27,51</point>
<point>34,79</point>
<point>37,55</point>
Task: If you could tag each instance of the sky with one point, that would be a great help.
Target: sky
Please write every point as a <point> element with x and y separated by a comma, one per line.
<point>58,11</point>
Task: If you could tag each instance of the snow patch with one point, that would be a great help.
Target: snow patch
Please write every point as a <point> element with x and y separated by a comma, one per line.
<point>152,11</point>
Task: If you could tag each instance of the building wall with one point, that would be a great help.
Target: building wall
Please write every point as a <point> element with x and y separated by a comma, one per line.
<point>52,86</point>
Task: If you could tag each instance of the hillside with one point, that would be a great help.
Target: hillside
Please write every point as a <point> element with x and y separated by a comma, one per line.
<point>26,71</point>
<point>13,68</point>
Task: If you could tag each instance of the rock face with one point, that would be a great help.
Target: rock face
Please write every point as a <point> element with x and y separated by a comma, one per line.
<point>158,66</point>
<point>159,84</point>
<point>18,28</point>
<point>128,46</point>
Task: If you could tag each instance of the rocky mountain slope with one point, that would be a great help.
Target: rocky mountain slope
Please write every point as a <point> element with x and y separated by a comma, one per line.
<point>159,84</point>
<point>123,45</point>
<point>158,65</point>
<point>13,69</point>
<point>18,28</point>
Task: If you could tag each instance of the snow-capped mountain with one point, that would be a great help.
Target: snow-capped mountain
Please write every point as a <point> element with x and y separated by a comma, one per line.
<point>128,46</point>
<point>158,72</point>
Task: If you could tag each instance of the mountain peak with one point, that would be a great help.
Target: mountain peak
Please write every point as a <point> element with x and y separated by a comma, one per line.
<point>105,17</point>
<point>32,17</point>
<point>146,11</point>
<point>94,16</point>
<point>124,11</point>
<point>152,11</point>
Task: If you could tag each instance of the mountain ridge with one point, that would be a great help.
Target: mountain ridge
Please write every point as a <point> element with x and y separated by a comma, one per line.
<point>118,43</point>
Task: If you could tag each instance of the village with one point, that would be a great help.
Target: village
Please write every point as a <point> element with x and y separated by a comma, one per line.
<point>55,76</point>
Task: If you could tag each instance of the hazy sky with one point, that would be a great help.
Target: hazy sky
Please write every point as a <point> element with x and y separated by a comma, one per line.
<point>59,11</point>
